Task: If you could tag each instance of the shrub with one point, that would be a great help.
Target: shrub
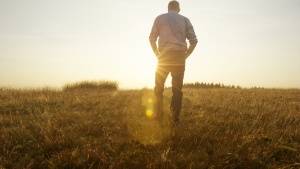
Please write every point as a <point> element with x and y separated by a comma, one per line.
<point>91,85</point>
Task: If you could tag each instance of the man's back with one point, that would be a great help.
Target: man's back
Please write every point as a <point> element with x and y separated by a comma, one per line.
<point>172,29</point>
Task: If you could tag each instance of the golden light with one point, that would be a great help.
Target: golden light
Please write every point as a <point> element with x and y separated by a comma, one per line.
<point>149,113</point>
<point>142,126</point>
<point>148,103</point>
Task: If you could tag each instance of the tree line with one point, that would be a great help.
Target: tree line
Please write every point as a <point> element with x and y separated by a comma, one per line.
<point>209,85</point>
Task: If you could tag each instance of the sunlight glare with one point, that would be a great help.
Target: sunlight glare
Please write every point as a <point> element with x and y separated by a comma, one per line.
<point>142,126</point>
<point>148,103</point>
<point>149,113</point>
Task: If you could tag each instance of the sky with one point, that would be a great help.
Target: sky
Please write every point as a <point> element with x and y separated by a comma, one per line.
<point>51,43</point>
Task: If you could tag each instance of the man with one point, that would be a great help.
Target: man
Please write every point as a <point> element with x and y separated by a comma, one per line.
<point>173,30</point>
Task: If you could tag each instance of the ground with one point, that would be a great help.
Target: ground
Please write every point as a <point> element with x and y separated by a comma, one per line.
<point>110,128</point>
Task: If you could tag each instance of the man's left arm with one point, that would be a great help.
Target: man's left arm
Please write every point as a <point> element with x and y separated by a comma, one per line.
<point>154,48</point>
<point>153,37</point>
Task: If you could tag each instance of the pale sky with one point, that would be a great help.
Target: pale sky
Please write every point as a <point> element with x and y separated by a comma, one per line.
<point>241,42</point>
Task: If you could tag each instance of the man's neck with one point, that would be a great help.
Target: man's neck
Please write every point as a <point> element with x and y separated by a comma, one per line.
<point>173,11</point>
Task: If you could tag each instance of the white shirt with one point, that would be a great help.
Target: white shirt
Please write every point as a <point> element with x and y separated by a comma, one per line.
<point>172,29</point>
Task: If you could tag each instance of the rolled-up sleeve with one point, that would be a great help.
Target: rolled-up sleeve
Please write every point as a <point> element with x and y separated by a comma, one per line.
<point>154,32</point>
<point>191,36</point>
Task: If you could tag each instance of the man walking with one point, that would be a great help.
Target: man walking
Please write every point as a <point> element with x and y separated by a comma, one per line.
<point>172,30</point>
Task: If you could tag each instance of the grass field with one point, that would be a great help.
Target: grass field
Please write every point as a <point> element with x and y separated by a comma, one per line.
<point>113,128</point>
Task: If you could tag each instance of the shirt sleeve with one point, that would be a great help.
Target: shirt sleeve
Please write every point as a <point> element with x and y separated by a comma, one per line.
<point>154,32</point>
<point>191,36</point>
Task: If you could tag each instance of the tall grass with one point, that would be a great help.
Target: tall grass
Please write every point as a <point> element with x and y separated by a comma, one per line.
<point>219,128</point>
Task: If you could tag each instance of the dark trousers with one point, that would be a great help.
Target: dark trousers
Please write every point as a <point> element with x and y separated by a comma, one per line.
<point>170,62</point>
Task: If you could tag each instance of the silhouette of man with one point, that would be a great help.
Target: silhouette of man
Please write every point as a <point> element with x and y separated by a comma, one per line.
<point>172,30</point>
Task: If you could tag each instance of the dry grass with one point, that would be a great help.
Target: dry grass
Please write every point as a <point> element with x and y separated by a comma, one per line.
<point>220,128</point>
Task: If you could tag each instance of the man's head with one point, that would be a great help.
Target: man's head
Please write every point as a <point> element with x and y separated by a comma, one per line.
<point>174,6</point>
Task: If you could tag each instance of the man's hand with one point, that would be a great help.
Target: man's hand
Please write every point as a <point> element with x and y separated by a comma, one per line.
<point>154,48</point>
<point>157,54</point>
<point>190,50</point>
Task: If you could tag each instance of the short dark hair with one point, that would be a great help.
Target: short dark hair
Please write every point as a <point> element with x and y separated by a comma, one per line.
<point>173,5</point>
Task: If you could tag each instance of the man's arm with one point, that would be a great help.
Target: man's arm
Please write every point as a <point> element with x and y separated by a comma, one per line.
<point>153,37</point>
<point>191,36</point>
<point>154,48</point>
<point>190,50</point>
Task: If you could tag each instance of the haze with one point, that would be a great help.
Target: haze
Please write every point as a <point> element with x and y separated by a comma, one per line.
<point>241,42</point>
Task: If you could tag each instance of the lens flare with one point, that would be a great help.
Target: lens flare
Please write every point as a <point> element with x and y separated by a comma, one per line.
<point>141,123</point>
<point>148,103</point>
<point>149,113</point>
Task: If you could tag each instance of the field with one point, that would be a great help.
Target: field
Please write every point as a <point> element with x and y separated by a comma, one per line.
<point>115,128</point>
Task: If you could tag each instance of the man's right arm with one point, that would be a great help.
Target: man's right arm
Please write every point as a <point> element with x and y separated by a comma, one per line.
<point>190,50</point>
<point>191,36</point>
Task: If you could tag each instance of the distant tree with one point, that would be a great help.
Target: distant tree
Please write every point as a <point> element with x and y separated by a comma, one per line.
<point>209,85</point>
